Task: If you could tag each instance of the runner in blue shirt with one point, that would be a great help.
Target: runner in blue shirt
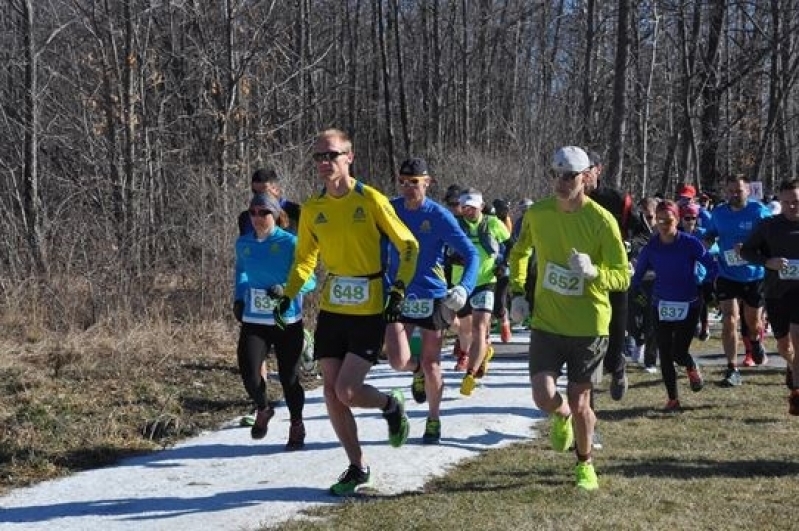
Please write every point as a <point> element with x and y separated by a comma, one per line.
<point>263,261</point>
<point>689,224</point>
<point>732,223</point>
<point>675,295</point>
<point>429,304</point>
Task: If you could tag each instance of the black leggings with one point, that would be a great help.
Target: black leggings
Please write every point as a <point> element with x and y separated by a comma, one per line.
<point>614,358</point>
<point>501,297</point>
<point>255,340</point>
<point>674,339</point>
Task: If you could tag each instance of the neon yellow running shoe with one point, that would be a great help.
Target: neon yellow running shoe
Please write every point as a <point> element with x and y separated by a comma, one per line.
<point>561,433</point>
<point>586,476</point>
<point>468,384</point>
<point>483,370</point>
<point>397,420</point>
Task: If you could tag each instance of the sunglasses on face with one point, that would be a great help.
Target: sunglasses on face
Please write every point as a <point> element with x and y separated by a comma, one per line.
<point>410,181</point>
<point>567,176</point>
<point>665,221</point>
<point>453,204</point>
<point>259,212</point>
<point>327,156</point>
<point>689,218</point>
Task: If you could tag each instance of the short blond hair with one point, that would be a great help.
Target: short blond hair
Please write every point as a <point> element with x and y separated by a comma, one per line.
<point>338,134</point>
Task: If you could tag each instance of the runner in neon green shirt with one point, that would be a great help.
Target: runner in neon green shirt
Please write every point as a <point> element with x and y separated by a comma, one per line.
<point>581,258</point>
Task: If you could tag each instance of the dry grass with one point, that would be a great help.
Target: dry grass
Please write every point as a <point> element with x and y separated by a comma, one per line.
<point>84,399</point>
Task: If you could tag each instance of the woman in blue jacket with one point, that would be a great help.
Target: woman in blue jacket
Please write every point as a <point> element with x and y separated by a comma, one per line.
<point>263,260</point>
<point>676,297</point>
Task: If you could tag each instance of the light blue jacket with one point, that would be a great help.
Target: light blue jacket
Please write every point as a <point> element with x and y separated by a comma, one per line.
<point>261,265</point>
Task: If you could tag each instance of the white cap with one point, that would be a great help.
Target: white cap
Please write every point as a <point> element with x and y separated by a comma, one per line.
<point>570,159</point>
<point>471,200</point>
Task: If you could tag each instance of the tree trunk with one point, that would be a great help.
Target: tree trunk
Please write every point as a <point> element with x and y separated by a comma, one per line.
<point>32,201</point>
<point>619,121</point>
<point>386,69</point>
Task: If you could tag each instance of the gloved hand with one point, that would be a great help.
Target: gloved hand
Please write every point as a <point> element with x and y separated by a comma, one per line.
<point>281,308</point>
<point>393,309</point>
<point>455,299</point>
<point>238,310</point>
<point>640,299</point>
<point>581,263</point>
<point>500,270</point>
<point>275,292</point>
<point>519,308</point>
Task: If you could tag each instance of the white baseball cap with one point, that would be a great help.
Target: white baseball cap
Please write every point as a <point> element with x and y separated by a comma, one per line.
<point>471,200</point>
<point>570,159</point>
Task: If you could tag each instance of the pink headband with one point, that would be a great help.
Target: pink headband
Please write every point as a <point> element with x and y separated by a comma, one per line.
<point>671,207</point>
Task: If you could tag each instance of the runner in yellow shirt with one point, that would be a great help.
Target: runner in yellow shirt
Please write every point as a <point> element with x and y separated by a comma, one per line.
<point>343,225</point>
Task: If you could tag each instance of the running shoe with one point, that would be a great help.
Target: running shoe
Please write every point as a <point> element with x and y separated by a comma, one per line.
<point>704,334</point>
<point>732,378</point>
<point>672,405</point>
<point>397,420</point>
<point>351,480</point>
<point>586,476</point>
<point>793,403</point>
<point>483,370</point>
<point>618,385</point>
<point>749,360</point>
<point>468,384</point>
<point>248,420</point>
<point>296,436</point>
<point>417,387</point>
<point>561,433</point>
<point>651,369</point>
<point>695,378</point>
<point>432,432</point>
<point>261,425</point>
<point>505,333</point>
<point>759,353</point>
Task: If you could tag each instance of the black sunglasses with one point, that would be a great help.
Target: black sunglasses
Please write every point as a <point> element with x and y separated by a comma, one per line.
<point>327,156</point>
<point>259,212</point>
<point>689,218</point>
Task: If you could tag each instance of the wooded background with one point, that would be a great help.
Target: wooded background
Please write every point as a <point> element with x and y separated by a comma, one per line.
<point>130,127</point>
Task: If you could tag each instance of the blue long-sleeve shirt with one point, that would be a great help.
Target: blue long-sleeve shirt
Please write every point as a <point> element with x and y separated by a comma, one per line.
<point>674,267</point>
<point>434,227</point>
<point>261,265</point>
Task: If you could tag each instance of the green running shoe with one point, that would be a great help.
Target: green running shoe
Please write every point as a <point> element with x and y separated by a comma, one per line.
<point>586,476</point>
<point>397,420</point>
<point>350,481</point>
<point>561,433</point>
<point>432,432</point>
<point>417,387</point>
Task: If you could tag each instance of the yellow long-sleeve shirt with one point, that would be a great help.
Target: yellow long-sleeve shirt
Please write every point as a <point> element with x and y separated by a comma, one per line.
<point>346,232</point>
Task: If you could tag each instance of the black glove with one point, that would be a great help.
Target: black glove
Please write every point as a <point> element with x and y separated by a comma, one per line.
<point>238,310</point>
<point>275,292</point>
<point>640,299</point>
<point>281,308</point>
<point>393,309</point>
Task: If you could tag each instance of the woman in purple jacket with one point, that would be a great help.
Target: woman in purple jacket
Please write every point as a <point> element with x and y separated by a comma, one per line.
<point>675,296</point>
